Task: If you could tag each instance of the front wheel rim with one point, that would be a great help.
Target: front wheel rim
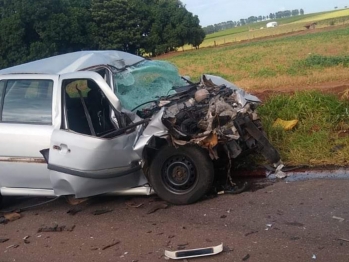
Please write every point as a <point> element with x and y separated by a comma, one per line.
<point>179,174</point>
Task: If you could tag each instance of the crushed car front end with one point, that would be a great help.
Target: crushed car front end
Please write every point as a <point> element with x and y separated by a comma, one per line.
<point>187,122</point>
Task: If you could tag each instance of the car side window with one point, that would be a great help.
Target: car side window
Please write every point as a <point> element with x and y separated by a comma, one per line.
<point>28,101</point>
<point>87,109</point>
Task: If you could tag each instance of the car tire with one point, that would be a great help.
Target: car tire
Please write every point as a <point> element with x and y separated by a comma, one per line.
<point>181,175</point>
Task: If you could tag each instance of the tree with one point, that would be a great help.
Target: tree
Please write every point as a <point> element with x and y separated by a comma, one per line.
<point>295,12</point>
<point>286,13</point>
<point>42,28</point>
<point>116,25</point>
<point>252,19</point>
<point>301,12</point>
<point>171,27</point>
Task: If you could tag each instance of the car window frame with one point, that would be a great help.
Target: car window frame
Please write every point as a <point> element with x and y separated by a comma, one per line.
<point>2,98</point>
<point>2,101</point>
<point>65,122</point>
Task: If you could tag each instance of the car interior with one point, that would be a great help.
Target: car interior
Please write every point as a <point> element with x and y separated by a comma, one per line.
<point>87,109</point>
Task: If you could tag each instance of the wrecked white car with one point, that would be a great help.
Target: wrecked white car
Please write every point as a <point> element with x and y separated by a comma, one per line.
<point>96,122</point>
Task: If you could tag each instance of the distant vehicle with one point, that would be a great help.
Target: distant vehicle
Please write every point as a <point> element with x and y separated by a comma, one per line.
<point>272,24</point>
<point>96,122</point>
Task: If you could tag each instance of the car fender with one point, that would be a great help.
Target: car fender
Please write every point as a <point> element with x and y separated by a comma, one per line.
<point>155,128</point>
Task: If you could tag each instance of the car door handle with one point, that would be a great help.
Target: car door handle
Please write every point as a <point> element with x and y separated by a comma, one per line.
<point>62,148</point>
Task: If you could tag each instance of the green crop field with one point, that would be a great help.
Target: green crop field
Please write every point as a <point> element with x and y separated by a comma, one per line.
<point>272,63</point>
<point>325,16</point>
<point>286,25</point>
<point>258,25</point>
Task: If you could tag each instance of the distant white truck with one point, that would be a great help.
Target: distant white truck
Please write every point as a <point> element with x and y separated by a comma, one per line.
<point>272,24</point>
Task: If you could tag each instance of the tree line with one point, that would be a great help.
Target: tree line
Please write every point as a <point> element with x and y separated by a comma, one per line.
<point>252,19</point>
<point>33,29</point>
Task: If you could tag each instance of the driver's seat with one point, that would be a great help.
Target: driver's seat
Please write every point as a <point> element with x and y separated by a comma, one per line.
<point>97,107</point>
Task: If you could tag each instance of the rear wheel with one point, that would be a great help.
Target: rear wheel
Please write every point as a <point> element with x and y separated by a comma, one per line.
<point>181,175</point>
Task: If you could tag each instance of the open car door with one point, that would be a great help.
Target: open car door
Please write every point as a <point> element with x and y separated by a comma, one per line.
<point>87,155</point>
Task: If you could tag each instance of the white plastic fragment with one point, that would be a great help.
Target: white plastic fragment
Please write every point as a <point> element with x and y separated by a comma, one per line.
<point>340,219</point>
<point>279,173</point>
<point>191,253</point>
<point>314,257</point>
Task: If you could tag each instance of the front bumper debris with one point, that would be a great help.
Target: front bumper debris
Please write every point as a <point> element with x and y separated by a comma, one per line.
<point>192,253</point>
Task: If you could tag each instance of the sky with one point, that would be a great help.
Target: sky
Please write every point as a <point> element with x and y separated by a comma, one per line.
<point>215,11</point>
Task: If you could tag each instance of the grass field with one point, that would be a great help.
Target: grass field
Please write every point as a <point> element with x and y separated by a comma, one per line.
<point>286,25</point>
<point>273,63</point>
<point>324,16</point>
<point>258,25</point>
<point>320,137</point>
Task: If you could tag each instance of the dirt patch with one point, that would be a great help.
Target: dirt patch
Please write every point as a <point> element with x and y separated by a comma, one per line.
<point>336,88</point>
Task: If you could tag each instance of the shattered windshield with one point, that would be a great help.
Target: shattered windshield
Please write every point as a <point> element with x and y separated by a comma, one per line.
<point>144,82</point>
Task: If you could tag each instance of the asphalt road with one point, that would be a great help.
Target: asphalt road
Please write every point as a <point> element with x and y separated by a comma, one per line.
<point>285,221</point>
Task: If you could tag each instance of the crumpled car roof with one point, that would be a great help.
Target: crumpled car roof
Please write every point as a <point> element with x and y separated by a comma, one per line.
<point>76,61</point>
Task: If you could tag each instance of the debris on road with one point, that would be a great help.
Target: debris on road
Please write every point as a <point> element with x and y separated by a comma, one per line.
<point>56,228</point>
<point>313,257</point>
<point>342,239</point>
<point>251,233</point>
<point>157,207</point>
<point>340,219</point>
<point>111,245</point>
<point>294,238</point>
<point>295,223</point>
<point>74,211</point>
<point>227,249</point>
<point>279,173</point>
<point>9,217</point>
<point>75,201</point>
<point>192,253</point>
<point>26,241</point>
<point>12,216</point>
<point>3,240</point>
<point>101,211</point>
<point>268,226</point>
<point>133,204</point>
<point>234,188</point>
<point>12,246</point>
<point>247,257</point>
